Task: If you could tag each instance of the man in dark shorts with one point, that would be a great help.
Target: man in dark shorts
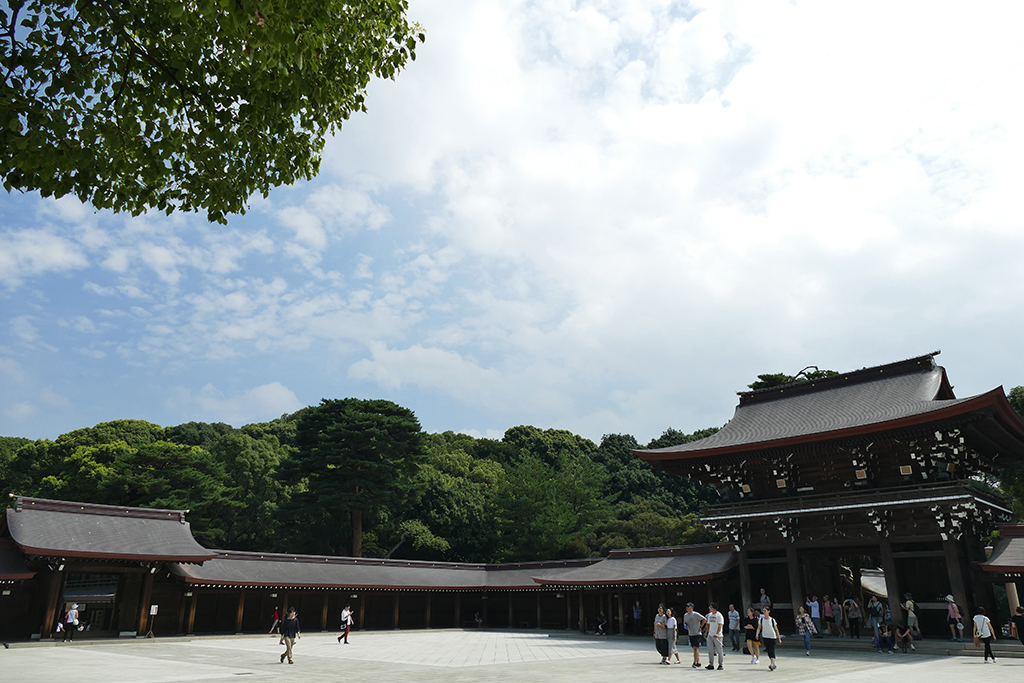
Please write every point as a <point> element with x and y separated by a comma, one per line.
<point>1018,623</point>
<point>694,622</point>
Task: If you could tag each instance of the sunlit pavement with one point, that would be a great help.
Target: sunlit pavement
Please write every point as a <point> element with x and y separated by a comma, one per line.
<point>453,656</point>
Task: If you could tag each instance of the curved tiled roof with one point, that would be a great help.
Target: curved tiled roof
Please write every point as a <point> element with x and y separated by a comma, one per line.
<point>1008,553</point>
<point>891,396</point>
<point>651,566</point>
<point>56,528</point>
<point>319,571</point>
<point>12,564</point>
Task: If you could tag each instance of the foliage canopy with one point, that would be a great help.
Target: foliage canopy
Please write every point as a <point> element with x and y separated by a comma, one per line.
<point>140,104</point>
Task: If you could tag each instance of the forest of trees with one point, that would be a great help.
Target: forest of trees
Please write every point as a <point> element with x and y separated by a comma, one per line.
<point>360,477</point>
<point>294,484</point>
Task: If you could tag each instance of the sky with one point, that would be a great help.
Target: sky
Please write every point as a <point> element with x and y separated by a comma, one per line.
<point>599,216</point>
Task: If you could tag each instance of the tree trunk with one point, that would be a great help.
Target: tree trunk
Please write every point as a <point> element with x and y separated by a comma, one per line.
<point>357,533</point>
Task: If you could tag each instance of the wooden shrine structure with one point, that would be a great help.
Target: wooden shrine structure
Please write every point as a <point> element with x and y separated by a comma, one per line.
<point>882,467</point>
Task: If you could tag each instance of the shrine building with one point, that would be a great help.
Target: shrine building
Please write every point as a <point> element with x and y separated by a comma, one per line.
<point>880,472</point>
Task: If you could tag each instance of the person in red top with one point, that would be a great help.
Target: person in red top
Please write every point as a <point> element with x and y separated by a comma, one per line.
<point>277,620</point>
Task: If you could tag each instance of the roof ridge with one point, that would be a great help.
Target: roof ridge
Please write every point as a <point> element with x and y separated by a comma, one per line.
<point>23,503</point>
<point>866,374</point>
<point>390,562</point>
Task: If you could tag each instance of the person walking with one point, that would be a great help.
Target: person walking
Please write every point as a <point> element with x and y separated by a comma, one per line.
<point>805,627</point>
<point>637,618</point>
<point>853,616</point>
<point>764,600</point>
<point>815,607</point>
<point>768,633</point>
<point>734,628</point>
<point>955,619</point>
<point>828,615</point>
<point>875,612</point>
<point>984,633</point>
<point>694,622</point>
<point>602,624</point>
<point>346,623</point>
<point>672,626</point>
<point>750,624</point>
<point>1017,624</point>
<point>837,615</point>
<point>290,632</point>
<point>277,620</point>
<point>912,621</point>
<point>716,637</point>
<point>70,623</point>
<point>661,634</point>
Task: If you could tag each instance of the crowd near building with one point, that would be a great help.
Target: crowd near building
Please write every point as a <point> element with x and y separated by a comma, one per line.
<point>871,482</point>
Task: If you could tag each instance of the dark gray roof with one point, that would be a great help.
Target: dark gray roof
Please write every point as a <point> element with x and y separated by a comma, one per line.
<point>1008,552</point>
<point>56,528</point>
<point>270,569</point>
<point>876,398</point>
<point>12,564</point>
<point>651,565</point>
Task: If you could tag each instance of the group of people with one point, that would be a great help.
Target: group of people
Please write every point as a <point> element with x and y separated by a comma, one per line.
<point>290,630</point>
<point>760,631</point>
<point>710,628</point>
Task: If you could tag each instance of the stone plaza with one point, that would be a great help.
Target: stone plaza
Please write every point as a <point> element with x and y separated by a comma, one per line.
<point>456,656</point>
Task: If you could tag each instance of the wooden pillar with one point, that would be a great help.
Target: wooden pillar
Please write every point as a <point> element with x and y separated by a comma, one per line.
<point>622,613</point>
<point>458,610</point>
<point>241,610</point>
<point>396,611</point>
<point>427,615</point>
<point>192,612</point>
<point>323,614</point>
<point>144,599</point>
<point>511,614</point>
<point>1012,597</point>
<point>793,569</point>
<point>568,610</point>
<point>52,595</point>
<point>362,610</point>
<point>711,597</point>
<point>182,610</point>
<point>956,576</point>
<point>284,605</point>
<point>583,614</point>
<point>892,586</point>
<point>484,608</point>
<point>538,612</point>
<point>746,590</point>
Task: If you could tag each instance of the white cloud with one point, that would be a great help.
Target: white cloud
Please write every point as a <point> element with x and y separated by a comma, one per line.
<point>261,403</point>
<point>31,253</point>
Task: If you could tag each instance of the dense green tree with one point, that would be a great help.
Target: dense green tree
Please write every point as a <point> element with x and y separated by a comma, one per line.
<point>254,489</point>
<point>1011,480</point>
<point>353,457</point>
<point>134,105</point>
<point>9,445</point>
<point>202,434</point>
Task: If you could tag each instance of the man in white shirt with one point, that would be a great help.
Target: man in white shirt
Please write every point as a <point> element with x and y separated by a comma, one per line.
<point>346,624</point>
<point>716,634</point>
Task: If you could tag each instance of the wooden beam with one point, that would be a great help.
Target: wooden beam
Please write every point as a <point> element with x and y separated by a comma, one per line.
<point>511,613</point>
<point>622,612</point>
<point>241,610</point>
<point>396,610</point>
<point>538,611</point>
<point>144,600</point>
<point>956,576</point>
<point>793,568</point>
<point>192,613</point>
<point>746,590</point>
<point>52,595</point>
<point>583,615</point>
<point>892,586</point>
<point>427,615</point>
<point>458,610</point>
<point>323,614</point>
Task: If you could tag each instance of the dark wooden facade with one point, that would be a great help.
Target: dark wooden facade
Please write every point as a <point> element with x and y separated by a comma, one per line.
<point>882,467</point>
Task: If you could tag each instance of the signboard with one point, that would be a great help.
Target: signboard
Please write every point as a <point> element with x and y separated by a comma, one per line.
<point>153,609</point>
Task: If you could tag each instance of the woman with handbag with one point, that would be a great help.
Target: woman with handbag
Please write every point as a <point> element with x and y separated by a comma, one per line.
<point>984,633</point>
<point>70,623</point>
<point>805,627</point>
<point>955,619</point>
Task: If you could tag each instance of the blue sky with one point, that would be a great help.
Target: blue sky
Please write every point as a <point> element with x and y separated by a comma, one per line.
<point>598,216</point>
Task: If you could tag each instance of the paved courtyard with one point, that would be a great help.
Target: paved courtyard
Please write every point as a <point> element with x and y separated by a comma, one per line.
<point>453,657</point>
